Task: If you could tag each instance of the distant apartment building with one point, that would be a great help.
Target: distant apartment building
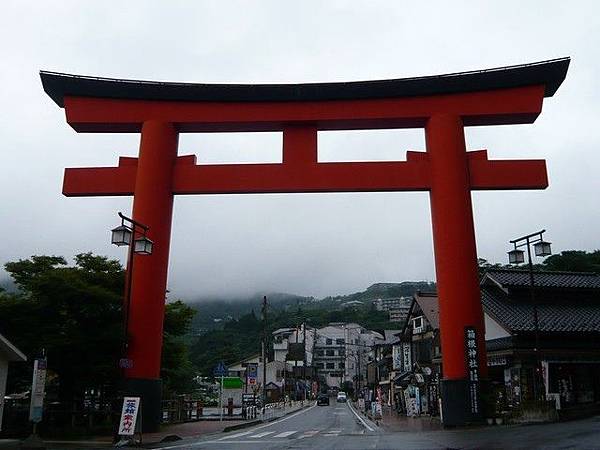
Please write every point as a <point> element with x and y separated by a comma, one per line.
<point>400,313</point>
<point>391,303</point>
<point>340,354</point>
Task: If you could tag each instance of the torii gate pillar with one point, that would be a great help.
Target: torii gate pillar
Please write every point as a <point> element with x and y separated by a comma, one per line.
<point>455,259</point>
<point>152,206</point>
<point>442,105</point>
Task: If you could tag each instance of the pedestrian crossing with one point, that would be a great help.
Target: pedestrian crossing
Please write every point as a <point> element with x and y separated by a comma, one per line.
<point>289,434</point>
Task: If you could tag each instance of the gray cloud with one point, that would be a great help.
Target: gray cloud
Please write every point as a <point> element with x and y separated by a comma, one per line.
<point>308,244</point>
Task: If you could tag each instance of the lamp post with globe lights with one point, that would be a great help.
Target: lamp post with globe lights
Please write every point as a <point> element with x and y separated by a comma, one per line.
<point>134,235</point>
<point>517,256</point>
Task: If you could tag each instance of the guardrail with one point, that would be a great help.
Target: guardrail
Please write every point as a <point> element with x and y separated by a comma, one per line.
<point>179,410</point>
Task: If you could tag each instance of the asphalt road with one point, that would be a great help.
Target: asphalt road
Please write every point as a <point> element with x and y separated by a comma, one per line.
<point>338,427</point>
<point>322,427</point>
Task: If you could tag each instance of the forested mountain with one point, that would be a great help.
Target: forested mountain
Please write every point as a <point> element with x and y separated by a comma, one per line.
<point>237,331</point>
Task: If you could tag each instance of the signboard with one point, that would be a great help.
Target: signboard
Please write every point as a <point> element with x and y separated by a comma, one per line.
<point>129,414</point>
<point>406,362</point>
<point>38,385</point>
<point>249,399</point>
<point>252,373</point>
<point>472,368</point>
<point>232,383</point>
<point>396,357</point>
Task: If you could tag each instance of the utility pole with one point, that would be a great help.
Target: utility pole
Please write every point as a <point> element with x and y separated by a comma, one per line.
<point>304,362</point>
<point>296,366</point>
<point>264,351</point>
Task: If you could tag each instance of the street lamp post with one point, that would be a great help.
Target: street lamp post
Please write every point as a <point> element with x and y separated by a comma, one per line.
<point>128,233</point>
<point>516,256</point>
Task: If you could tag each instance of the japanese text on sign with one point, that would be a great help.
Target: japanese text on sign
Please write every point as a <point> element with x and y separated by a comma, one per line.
<point>131,406</point>
<point>472,367</point>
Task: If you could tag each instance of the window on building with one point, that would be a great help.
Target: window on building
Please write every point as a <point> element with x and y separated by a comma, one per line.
<point>329,353</point>
<point>328,341</point>
<point>320,352</point>
<point>417,324</point>
<point>341,365</point>
<point>340,341</point>
<point>330,365</point>
<point>319,365</point>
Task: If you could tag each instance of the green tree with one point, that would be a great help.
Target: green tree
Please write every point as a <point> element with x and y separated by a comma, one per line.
<point>574,261</point>
<point>74,314</point>
<point>177,371</point>
<point>71,312</point>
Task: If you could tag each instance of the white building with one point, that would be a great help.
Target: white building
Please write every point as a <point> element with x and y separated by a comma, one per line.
<point>286,339</point>
<point>341,351</point>
<point>392,303</point>
<point>276,372</point>
<point>8,353</point>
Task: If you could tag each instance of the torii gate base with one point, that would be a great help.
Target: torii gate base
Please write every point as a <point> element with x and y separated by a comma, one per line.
<point>441,105</point>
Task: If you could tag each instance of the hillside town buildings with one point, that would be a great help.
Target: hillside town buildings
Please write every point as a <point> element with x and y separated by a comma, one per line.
<point>401,368</point>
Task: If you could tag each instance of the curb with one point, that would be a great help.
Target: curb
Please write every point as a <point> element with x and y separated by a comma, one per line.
<point>240,426</point>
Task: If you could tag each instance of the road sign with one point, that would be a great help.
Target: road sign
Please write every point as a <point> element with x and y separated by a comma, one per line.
<point>220,370</point>
<point>252,371</point>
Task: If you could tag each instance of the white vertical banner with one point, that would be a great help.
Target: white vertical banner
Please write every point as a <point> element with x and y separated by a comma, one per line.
<point>406,357</point>
<point>38,386</point>
<point>396,357</point>
<point>129,416</point>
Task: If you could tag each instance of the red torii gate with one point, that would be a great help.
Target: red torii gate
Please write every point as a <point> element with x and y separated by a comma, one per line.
<point>442,105</point>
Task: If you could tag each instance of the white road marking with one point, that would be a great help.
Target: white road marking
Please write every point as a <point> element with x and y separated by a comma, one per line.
<point>285,434</point>
<point>259,435</point>
<point>308,434</point>
<point>360,418</point>
<point>196,444</point>
<point>233,436</point>
<point>275,422</point>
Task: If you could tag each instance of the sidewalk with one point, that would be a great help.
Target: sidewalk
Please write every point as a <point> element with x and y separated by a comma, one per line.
<point>393,422</point>
<point>182,430</point>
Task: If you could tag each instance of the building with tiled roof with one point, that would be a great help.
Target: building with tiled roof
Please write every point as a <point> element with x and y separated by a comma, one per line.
<point>568,332</point>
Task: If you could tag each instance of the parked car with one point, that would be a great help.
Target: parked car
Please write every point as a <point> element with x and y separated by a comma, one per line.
<point>341,397</point>
<point>323,400</point>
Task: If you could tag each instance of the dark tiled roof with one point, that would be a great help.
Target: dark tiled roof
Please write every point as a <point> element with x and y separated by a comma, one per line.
<point>499,343</point>
<point>520,278</point>
<point>517,315</point>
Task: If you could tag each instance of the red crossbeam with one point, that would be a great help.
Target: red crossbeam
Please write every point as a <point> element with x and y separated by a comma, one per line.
<point>412,175</point>
<point>514,105</point>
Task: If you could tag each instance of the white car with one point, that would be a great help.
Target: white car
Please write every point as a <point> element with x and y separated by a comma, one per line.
<point>341,397</point>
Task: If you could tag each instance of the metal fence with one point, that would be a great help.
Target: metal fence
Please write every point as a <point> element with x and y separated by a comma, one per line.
<point>181,410</point>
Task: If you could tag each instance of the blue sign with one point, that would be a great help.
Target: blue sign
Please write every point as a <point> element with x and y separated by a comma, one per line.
<point>220,370</point>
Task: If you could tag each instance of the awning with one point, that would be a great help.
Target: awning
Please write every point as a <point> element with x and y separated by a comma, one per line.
<point>401,376</point>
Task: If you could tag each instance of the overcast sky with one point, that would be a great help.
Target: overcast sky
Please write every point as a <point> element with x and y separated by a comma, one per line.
<point>309,244</point>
